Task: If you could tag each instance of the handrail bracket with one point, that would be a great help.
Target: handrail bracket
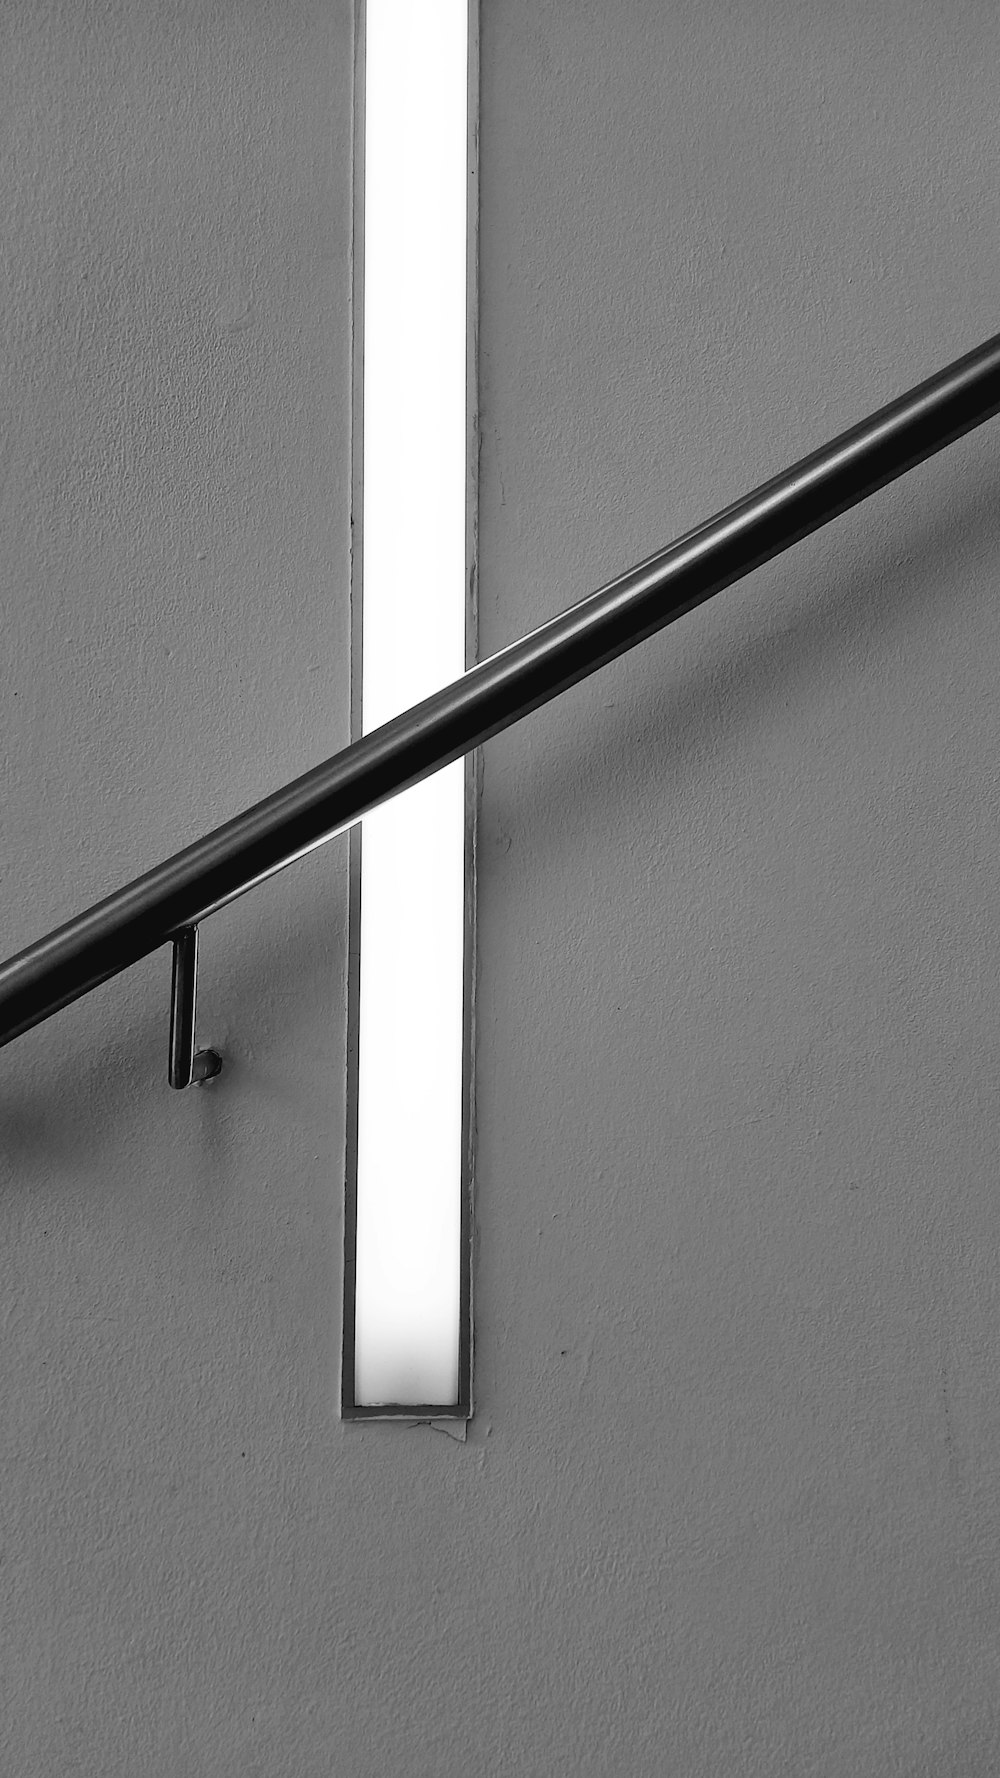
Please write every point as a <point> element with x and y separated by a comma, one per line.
<point>187,1065</point>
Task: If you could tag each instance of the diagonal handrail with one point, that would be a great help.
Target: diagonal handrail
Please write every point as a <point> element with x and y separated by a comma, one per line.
<point>167,902</point>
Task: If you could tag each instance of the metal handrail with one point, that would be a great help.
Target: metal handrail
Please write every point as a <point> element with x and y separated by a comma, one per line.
<point>165,904</point>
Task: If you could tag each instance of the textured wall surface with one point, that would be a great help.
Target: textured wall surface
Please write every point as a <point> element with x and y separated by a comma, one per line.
<point>729,1503</point>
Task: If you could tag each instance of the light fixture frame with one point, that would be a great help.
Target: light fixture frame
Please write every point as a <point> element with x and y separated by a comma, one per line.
<point>462,1407</point>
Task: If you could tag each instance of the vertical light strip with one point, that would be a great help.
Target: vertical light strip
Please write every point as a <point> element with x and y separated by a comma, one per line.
<point>410,1285</point>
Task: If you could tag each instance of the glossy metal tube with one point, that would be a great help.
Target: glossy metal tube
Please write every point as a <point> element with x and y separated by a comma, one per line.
<point>185,1063</point>
<point>490,697</point>
<point>183,1000</point>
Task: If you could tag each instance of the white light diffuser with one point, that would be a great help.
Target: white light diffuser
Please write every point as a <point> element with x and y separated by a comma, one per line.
<point>408,1294</point>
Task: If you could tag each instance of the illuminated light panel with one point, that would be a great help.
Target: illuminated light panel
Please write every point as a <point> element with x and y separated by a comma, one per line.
<point>410,1290</point>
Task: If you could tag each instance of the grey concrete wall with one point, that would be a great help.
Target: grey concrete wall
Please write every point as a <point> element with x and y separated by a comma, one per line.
<point>729,1501</point>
